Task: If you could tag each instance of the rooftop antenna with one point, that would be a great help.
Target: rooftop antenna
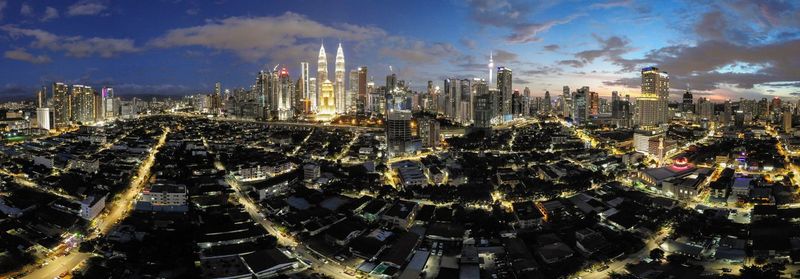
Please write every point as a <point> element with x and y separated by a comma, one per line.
<point>390,69</point>
<point>276,67</point>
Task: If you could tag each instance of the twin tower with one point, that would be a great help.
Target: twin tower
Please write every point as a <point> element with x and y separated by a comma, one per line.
<point>331,96</point>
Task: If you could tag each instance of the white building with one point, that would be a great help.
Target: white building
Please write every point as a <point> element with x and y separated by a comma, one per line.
<point>44,118</point>
<point>92,206</point>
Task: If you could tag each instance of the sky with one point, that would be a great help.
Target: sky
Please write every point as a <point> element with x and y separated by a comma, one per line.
<point>720,50</point>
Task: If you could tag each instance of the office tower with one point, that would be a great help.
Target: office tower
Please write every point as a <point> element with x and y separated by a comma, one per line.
<point>464,109</point>
<point>352,94</point>
<point>491,68</point>
<point>108,102</point>
<point>704,108</point>
<point>216,106</point>
<point>41,97</point>
<point>566,102</point>
<point>775,105</point>
<point>339,83</point>
<point>504,85</point>
<point>615,104</point>
<point>727,112</point>
<point>579,104</point>
<point>312,91</point>
<point>322,73</point>
<point>305,87</point>
<point>44,118</point>
<point>61,104</point>
<point>391,83</point>
<point>787,121</point>
<point>547,105</point>
<point>83,107</point>
<point>452,98</point>
<point>688,100</point>
<point>648,112</point>
<point>482,118</point>
<point>398,133</point>
<point>98,111</point>
<point>655,84</point>
<point>285,94</point>
<point>429,131</point>
<point>327,105</point>
<point>496,105</point>
<point>594,103</point>
<point>362,89</point>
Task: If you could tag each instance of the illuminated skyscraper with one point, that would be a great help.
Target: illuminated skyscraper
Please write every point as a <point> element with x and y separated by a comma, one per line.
<point>327,105</point>
<point>284,95</point>
<point>305,85</point>
<point>566,102</point>
<point>322,73</point>
<point>655,84</point>
<point>61,104</point>
<point>83,107</point>
<point>41,97</point>
<point>339,83</point>
<point>547,105</point>
<point>491,68</point>
<point>362,89</point>
<point>504,85</point>
<point>352,93</point>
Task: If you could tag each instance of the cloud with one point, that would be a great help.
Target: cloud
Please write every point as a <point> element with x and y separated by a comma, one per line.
<point>612,4</point>
<point>571,62</point>
<point>517,80</point>
<point>711,64</point>
<point>50,13</point>
<point>25,10</point>
<point>259,37</point>
<point>528,32</point>
<point>3,4</point>
<point>86,8</point>
<point>470,44</point>
<point>74,46</point>
<point>625,82</point>
<point>22,55</point>
<point>419,52</point>
<point>192,11</point>
<point>514,16</point>
<point>542,70</point>
<point>552,47</point>
<point>504,57</point>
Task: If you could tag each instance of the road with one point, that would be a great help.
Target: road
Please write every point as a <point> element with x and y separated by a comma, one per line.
<point>114,212</point>
<point>60,265</point>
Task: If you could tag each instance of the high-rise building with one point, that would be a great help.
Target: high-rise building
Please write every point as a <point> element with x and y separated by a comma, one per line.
<point>787,121</point>
<point>547,104</point>
<point>305,85</point>
<point>398,133</point>
<point>505,86</point>
<point>44,118</point>
<point>362,89</point>
<point>108,102</point>
<point>339,82</point>
<point>429,132</point>
<point>655,83</point>
<point>580,105</point>
<point>41,97</point>
<point>647,110</point>
<point>83,107</point>
<point>217,98</point>
<point>322,73</point>
<point>566,102</point>
<point>704,109</point>
<point>391,83</point>
<point>327,105</point>
<point>352,94</point>
<point>284,95</point>
<point>688,99</point>
<point>62,107</point>
<point>483,107</point>
<point>594,103</point>
<point>491,68</point>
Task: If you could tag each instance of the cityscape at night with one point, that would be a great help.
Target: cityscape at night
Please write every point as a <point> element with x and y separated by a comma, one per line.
<point>500,139</point>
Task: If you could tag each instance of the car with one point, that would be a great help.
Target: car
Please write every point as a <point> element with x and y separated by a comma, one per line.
<point>725,269</point>
<point>439,253</point>
<point>603,268</point>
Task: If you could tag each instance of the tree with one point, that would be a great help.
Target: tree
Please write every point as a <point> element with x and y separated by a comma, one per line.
<point>657,254</point>
<point>677,259</point>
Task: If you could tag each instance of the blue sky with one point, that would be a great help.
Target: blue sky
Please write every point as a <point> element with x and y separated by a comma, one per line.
<point>726,49</point>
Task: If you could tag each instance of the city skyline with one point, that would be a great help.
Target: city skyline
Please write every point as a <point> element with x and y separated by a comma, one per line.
<point>720,50</point>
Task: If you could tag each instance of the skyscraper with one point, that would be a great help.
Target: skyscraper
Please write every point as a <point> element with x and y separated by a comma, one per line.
<point>362,89</point>
<point>579,104</point>
<point>506,89</point>
<point>284,95</point>
<point>547,105</point>
<point>339,84</point>
<point>594,103</point>
<point>482,117</point>
<point>398,133</point>
<point>491,68</point>
<point>688,100</point>
<point>787,121</point>
<point>305,86</point>
<point>322,74</point>
<point>61,104</point>
<point>566,102</point>
<point>327,106</point>
<point>352,94</point>
<point>41,97</point>
<point>655,84</point>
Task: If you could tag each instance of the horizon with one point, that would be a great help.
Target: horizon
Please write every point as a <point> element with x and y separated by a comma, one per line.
<point>719,50</point>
